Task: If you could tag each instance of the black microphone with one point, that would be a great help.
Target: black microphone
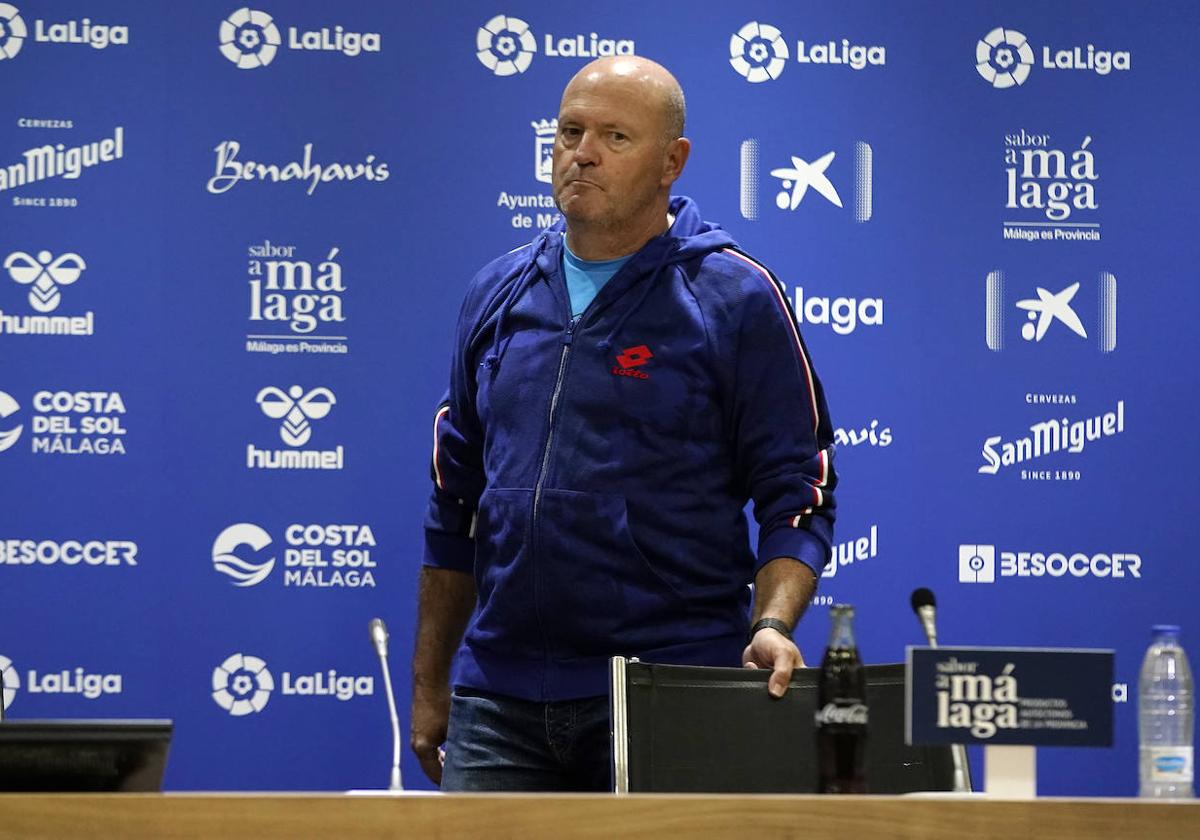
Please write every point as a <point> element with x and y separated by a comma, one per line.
<point>379,637</point>
<point>925,606</point>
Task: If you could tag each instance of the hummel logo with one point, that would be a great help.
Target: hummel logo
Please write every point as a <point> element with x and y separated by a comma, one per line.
<point>630,358</point>
<point>43,276</point>
<point>295,408</point>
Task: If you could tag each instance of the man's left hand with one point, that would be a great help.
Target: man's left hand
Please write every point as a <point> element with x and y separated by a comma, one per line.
<point>771,649</point>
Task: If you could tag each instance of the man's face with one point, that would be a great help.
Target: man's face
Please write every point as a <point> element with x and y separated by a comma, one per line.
<point>609,153</point>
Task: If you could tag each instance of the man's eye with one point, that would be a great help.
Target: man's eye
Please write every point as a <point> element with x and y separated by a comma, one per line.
<point>616,135</point>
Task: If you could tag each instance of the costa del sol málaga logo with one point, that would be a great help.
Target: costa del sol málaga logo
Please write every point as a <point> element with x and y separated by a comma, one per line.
<point>758,52</point>
<point>1003,57</point>
<point>242,684</point>
<point>12,31</point>
<point>505,45</point>
<point>249,38</point>
<point>243,572</point>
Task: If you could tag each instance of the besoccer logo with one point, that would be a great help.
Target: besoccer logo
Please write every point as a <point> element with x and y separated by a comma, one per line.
<point>295,408</point>
<point>12,31</point>
<point>1003,57</point>
<point>505,45</point>
<point>243,572</point>
<point>249,38</point>
<point>9,680</point>
<point>44,275</point>
<point>977,564</point>
<point>9,406</point>
<point>242,684</point>
<point>758,52</point>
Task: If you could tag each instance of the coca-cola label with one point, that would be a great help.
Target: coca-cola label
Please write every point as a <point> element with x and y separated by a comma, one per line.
<point>835,714</point>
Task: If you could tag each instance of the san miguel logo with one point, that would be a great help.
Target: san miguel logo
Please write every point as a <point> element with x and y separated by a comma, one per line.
<point>630,359</point>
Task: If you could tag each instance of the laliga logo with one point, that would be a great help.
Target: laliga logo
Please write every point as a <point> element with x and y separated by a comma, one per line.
<point>1003,57</point>
<point>225,561</point>
<point>9,406</point>
<point>249,38</point>
<point>44,275</point>
<point>295,408</point>
<point>12,35</point>
<point>242,684</point>
<point>10,681</point>
<point>505,45</point>
<point>758,52</point>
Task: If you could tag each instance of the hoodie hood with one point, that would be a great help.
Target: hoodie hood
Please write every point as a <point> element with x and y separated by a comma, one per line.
<point>688,237</point>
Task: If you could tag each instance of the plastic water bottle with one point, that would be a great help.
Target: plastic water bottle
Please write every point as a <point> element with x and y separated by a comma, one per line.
<point>1166,717</point>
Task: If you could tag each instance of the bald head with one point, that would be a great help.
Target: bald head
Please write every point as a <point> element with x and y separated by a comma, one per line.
<point>645,81</point>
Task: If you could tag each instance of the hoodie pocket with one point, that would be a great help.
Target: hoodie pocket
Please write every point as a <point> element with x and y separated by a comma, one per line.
<point>598,593</point>
<point>504,576</point>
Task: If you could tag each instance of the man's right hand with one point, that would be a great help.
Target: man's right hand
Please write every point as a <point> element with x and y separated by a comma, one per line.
<point>430,714</point>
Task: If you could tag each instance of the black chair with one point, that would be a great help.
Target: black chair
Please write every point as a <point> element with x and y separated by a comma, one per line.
<point>83,755</point>
<point>716,730</point>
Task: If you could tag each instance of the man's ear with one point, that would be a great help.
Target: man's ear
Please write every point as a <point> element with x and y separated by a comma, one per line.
<point>675,157</point>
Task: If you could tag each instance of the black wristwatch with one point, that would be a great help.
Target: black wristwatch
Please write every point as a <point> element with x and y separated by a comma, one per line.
<point>774,624</point>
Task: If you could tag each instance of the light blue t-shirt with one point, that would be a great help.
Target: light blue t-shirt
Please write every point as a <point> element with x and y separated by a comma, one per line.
<point>585,278</point>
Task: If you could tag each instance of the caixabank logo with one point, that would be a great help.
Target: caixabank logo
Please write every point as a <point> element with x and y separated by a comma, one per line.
<point>315,555</point>
<point>63,422</point>
<point>759,52</point>
<point>506,45</point>
<point>15,32</point>
<point>297,410</point>
<point>43,277</point>
<point>806,185</point>
<point>977,563</point>
<point>1055,316</point>
<point>250,38</point>
<point>295,303</point>
<point>1004,58</point>
<point>243,685</point>
<point>56,683</point>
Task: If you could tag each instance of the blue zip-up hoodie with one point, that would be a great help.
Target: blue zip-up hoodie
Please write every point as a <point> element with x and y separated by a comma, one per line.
<point>593,475</point>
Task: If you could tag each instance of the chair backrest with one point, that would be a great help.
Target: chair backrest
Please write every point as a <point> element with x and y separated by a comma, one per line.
<point>681,728</point>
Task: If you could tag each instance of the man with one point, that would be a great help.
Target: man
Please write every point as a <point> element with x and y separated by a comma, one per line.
<point>620,388</point>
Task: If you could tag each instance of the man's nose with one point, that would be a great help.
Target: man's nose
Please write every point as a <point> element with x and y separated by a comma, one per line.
<point>587,151</point>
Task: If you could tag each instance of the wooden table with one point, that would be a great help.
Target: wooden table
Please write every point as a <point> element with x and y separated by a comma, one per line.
<point>532,816</point>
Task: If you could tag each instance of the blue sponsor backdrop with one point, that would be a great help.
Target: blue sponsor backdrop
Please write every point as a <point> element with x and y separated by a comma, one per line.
<point>265,351</point>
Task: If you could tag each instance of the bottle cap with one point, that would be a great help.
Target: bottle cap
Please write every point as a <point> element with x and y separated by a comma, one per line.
<point>1165,629</point>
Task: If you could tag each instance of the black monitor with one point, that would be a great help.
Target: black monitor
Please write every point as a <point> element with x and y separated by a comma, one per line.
<point>716,730</point>
<point>83,755</point>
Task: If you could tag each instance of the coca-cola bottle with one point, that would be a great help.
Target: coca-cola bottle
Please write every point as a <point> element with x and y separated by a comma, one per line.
<point>841,715</point>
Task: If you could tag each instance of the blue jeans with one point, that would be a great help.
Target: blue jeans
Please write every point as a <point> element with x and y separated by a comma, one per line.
<point>501,743</point>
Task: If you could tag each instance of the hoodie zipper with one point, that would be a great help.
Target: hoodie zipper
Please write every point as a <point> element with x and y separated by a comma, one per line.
<point>568,337</point>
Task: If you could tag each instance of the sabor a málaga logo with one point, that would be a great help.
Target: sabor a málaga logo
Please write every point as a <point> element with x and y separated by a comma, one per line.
<point>242,685</point>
